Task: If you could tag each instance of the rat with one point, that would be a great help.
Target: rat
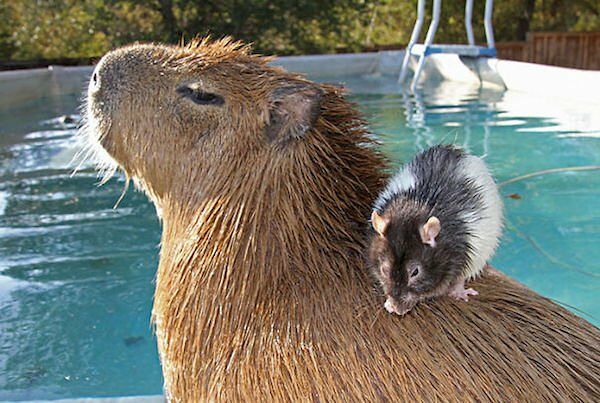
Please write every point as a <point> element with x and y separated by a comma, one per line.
<point>435,226</point>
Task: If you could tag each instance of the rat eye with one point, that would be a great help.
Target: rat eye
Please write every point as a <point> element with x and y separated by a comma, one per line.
<point>415,272</point>
<point>200,97</point>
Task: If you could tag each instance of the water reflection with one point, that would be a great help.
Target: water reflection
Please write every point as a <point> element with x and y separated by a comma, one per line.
<point>75,275</point>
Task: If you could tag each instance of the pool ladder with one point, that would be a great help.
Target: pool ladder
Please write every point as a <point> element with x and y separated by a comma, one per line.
<point>425,49</point>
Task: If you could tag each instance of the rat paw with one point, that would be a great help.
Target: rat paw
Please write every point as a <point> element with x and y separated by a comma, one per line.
<point>463,294</point>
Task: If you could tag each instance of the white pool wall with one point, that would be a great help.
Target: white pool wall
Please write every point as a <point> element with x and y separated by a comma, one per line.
<point>582,85</point>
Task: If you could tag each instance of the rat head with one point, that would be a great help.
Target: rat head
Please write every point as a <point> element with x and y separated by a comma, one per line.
<point>404,255</point>
<point>175,115</point>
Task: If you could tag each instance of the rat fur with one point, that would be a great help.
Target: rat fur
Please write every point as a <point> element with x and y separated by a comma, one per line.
<point>436,225</point>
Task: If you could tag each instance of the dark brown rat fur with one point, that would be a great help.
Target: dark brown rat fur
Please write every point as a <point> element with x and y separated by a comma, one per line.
<point>261,290</point>
<point>436,224</point>
<point>399,253</point>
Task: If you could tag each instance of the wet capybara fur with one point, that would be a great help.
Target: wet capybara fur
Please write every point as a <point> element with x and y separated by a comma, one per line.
<point>264,182</point>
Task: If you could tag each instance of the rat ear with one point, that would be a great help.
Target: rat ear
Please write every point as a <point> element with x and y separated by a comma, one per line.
<point>294,107</point>
<point>379,223</point>
<point>430,230</point>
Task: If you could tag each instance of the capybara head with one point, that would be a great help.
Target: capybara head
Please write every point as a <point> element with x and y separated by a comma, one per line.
<point>263,180</point>
<point>165,112</point>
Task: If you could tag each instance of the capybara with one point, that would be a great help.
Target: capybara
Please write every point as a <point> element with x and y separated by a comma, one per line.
<point>264,182</point>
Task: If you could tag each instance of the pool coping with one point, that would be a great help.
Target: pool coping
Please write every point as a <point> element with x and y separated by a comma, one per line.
<point>123,399</point>
<point>579,85</point>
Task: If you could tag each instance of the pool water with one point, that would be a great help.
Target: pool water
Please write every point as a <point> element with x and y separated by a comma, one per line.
<point>76,275</point>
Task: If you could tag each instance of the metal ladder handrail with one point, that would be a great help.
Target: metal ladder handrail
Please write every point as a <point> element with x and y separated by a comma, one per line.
<point>414,37</point>
<point>437,5</point>
<point>487,23</point>
<point>468,22</point>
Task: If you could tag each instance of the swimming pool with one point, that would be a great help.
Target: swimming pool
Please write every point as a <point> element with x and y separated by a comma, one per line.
<point>76,276</point>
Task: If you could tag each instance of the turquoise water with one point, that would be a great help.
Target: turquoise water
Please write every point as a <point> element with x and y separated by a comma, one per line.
<point>76,276</point>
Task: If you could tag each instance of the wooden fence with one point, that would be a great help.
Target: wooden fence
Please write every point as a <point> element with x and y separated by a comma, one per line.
<point>580,50</point>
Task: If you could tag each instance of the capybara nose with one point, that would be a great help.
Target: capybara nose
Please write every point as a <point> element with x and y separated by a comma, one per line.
<point>117,72</point>
<point>106,76</point>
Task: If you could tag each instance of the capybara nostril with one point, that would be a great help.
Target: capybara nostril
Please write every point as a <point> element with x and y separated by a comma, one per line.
<point>94,82</point>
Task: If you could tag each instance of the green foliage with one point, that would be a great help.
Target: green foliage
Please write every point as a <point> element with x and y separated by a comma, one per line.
<point>566,15</point>
<point>276,26</point>
<point>46,29</point>
<point>7,26</point>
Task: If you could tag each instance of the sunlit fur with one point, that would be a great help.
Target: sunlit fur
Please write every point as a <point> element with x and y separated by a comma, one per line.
<point>261,291</point>
<point>90,150</point>
<point>485,230</point>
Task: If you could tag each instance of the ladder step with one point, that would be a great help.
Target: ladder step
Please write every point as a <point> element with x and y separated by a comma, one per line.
<point>462,50</point>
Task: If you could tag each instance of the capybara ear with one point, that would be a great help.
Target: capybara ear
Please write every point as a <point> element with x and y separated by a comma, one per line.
<point>293,110</point>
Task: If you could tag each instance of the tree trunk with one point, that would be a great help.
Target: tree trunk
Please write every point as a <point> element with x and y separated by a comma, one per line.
<point>524,21</point>
<point>165,7</point>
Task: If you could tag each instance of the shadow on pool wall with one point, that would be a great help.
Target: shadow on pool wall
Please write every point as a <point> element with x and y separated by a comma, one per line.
<point>76,276</point>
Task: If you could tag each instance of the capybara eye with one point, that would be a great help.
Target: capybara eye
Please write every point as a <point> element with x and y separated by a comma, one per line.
<point>200,97</point>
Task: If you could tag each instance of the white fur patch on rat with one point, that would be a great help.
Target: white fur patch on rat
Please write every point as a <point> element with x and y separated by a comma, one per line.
<point>435,226</point>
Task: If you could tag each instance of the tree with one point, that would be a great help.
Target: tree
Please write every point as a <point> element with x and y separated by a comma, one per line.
<point>34,29</point>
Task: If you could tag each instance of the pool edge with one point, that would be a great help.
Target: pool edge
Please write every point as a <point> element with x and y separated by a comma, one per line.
<point>580,85</point>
